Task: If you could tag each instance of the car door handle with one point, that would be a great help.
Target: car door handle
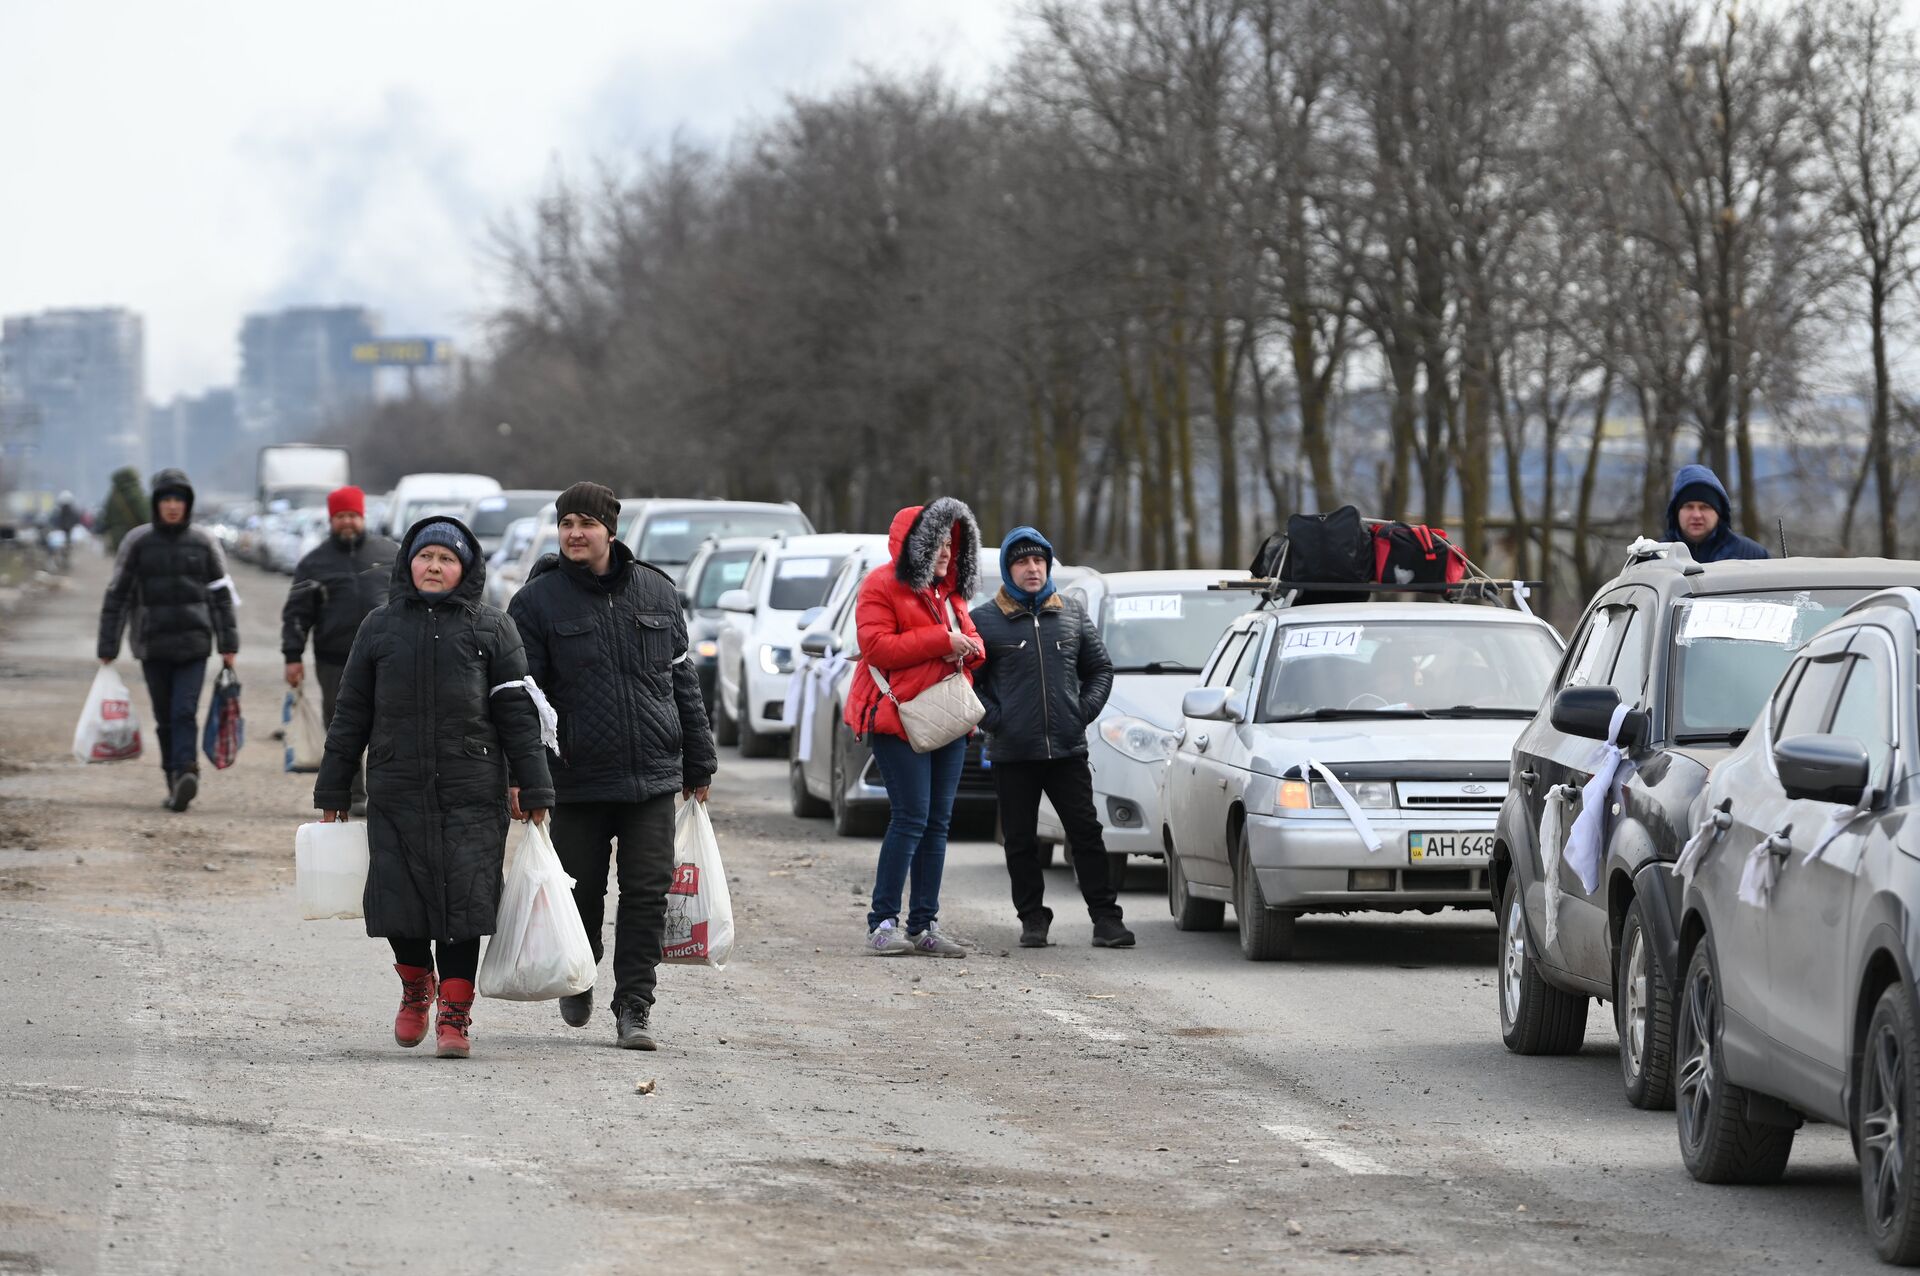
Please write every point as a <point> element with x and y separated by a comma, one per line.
<point>1780,844</point>
<point>1528,777</point>
<point>1565,792</point>
<point>1200,743</point>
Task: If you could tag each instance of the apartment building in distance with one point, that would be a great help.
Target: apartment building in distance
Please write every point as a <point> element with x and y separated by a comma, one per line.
<point>73,405</point>
<point>297,371</point>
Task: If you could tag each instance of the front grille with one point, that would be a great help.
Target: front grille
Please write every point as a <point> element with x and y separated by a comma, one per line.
<point>1423,801</point>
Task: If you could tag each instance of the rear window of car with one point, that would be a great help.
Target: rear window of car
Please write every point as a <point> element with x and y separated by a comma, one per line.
<point>801,581</point>
<point>1728,652</point>
<point>1170,631</point>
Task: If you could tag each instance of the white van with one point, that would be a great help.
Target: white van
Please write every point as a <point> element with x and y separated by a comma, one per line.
<point>418,495</point>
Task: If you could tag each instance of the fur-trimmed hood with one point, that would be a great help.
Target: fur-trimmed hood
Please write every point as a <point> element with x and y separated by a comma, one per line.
<point>915,539</point>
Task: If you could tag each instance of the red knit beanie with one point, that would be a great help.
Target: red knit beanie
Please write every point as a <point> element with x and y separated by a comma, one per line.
<point>346,500</point>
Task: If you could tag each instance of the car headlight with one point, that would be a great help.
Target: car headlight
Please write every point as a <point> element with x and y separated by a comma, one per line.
<point>706,649</point>
<point>776,659</point>
<point>1372,795</point>
<point>1137,738</point>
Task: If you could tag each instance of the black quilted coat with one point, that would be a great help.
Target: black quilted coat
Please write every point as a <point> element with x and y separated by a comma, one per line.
<point>612,656</point>
<point>332,593</point>
<point>1047,676</point>
<point>163,590</point>
<point>417,697</point>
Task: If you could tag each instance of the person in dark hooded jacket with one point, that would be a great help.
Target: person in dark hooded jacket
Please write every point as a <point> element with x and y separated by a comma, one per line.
<point>434,694</point>
<point>1700,515</point>
<point>914,631</point>
<point>171,589</point>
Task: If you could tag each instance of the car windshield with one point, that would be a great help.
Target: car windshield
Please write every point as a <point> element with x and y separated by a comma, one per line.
<point>493,514</point>
<point>1172,631</point>
<point>1730,649</point>
<point>673,538</point>
<point>724,571</point>
<point>801,582</point>
<point>1408,669</point>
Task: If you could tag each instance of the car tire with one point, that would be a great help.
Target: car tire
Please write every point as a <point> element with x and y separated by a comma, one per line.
<point>805,805</point>
<point>848,821</point>
<point>1190,913</point>
<point>726,730</point>
<point>1535,1017</point>
<point>1643,1014</point>
<point>753,744</point>
<point>1889,1095</point>
<point>1717,1141</point>
<point>1266,934</point>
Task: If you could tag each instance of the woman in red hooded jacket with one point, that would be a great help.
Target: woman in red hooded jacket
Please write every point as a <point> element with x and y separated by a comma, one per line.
<point>914,629</point>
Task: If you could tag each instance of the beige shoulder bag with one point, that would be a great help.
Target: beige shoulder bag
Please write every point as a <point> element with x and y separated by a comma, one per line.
<point>945,712</point>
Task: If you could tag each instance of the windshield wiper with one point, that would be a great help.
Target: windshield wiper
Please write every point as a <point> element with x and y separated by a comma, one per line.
<point>1733,737</point>
<point>1329,715</point>
<point>1158,666</point>
<point>1482,711</point>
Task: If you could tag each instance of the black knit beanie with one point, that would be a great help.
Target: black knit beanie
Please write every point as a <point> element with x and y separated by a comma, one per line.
<point>591,499</point>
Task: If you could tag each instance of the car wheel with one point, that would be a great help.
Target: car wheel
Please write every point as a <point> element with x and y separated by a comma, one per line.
<point>848,821</point>
<point>1643,1013</point>
<point>1535,1017</point>
<point>1717,1141</point>
<point>1266,934</point>
<point>753,744</point>
<point>1889,1160</point>
<point>725,729</point>
<point>805,805</point>
<point>1190,913</point>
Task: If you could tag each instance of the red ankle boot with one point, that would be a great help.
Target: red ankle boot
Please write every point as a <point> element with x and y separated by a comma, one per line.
<point>456,1015</point>
<point>416,998</point>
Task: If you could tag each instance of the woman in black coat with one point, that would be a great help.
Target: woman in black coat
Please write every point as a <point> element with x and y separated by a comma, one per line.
<point>434,694</point>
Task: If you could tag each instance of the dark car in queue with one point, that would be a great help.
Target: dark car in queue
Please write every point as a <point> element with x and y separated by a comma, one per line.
<point>1690,652</point>
<point>1798,935</point>
<point>718,565</point>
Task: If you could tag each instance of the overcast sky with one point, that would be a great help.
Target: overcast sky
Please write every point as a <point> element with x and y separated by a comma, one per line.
<point>197,161</point>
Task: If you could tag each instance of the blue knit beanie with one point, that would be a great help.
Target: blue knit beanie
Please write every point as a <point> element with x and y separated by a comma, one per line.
<point>447,536</point>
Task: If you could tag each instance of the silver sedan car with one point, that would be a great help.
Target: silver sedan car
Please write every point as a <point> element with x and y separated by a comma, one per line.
<point>1347,757</point>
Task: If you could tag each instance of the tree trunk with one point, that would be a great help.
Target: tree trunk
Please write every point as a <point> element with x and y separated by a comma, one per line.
<point>1223,372</point>
<point>1583,557</point>
<point>1880,437</point>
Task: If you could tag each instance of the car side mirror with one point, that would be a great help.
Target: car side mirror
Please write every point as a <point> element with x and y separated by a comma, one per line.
<point>1210,704</point>
<point>1588,712</point>
<point>1823,768</point>
<point>820,644</point>
<point>735,600</point>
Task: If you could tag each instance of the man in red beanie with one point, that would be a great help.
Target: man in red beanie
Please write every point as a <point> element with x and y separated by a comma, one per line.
<point>334,588</point>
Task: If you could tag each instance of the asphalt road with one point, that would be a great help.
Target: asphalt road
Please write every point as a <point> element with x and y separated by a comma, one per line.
<point>192,1079</point>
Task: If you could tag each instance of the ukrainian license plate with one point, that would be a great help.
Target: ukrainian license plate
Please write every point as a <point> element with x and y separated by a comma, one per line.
<point>1449,848</point>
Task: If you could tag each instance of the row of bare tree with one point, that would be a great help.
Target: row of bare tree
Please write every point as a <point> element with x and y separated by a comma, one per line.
<point>1193,264</point>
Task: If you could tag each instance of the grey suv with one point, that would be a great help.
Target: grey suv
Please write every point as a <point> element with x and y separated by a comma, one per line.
<point>1797,930</point>
<point>1691,651</point>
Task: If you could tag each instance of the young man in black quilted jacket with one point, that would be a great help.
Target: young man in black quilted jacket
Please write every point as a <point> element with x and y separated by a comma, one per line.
<point>607,643</point>
<point>171,589</point>
<point>1047,676</point>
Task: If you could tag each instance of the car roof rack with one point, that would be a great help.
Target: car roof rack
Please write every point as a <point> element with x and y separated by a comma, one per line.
<point>1477,586</point>
<point>1674,554</point>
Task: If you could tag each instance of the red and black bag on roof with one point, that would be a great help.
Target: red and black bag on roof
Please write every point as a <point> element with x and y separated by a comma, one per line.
<point>1415,555</point>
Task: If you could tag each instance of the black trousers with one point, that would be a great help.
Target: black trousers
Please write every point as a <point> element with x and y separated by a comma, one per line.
<point>329,676</point>
<point>585,834</point>
<point>456,960</point>
<point>1069,782</point>
<point>175,690</point>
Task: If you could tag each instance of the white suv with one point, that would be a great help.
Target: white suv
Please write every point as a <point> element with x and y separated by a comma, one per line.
<point>761,636</point>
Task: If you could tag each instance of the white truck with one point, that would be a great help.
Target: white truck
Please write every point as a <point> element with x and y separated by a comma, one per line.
<point>301,474</point>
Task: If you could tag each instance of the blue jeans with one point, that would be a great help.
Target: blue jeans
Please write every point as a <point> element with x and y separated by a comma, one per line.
<point>920,789</point>
<point>175,689</point>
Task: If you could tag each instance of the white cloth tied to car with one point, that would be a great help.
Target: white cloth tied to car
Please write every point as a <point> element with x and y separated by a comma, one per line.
<point>811,682</point>
<point>1762,870</point>
<point>1355,816</point>
<point>1696,846</point>
<point>549,718</point>
<point>1586,841</point>
<point>1553,822</point>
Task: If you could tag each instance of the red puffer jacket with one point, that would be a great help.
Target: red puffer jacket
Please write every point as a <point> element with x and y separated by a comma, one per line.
<point>902,613</point>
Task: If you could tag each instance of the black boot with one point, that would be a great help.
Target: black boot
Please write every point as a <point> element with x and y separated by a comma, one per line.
<point>577,1009</point>
<point>630,1023</point>
<point>1033,929</point>
<point>1111,932</point>
<point>186,786</point>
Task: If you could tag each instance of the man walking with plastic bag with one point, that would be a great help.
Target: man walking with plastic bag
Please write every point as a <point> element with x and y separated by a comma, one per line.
<point>170,588</point>
<point>606,641</point>
<point>334,587</point>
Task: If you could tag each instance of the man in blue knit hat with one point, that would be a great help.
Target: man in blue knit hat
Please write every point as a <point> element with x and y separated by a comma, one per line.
<point>1047,676</point>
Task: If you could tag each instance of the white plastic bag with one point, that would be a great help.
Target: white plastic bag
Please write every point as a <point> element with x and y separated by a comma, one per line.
<point>306,733</point>
<point>539,948</point>
<point>109,728</point>
<point>699,908</point>
<point>330,870</point>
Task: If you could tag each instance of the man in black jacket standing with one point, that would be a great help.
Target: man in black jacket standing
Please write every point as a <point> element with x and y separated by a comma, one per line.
<point>1047,676</point>
<point>170,583</point>
<point>607,643</point>
<point>334,587</point>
